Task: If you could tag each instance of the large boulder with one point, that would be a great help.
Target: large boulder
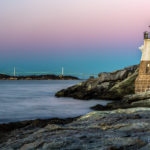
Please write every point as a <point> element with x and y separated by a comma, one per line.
<point>112,86</point>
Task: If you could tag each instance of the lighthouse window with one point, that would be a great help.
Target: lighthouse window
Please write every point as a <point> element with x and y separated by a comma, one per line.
<point>148,69</point>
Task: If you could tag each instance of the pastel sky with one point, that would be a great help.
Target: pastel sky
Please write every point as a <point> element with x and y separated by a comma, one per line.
<point>88,36</point>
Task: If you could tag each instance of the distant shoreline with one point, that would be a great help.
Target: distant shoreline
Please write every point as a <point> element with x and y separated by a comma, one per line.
<point>38,77</point>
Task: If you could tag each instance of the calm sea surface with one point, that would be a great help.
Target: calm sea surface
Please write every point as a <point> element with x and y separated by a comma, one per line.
<point>25,100</point>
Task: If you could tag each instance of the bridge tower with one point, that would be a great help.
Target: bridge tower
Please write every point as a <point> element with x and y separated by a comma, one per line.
<point>14,71</point>
<point>142,83</point>
<point>62,71</point>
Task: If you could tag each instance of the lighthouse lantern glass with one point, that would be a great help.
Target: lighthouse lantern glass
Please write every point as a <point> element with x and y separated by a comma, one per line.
<point>146,35</point>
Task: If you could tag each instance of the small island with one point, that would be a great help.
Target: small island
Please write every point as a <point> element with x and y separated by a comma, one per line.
<point>38,77</point>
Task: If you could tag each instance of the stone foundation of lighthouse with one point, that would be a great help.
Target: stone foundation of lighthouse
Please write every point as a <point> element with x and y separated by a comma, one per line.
<point>142,82</point>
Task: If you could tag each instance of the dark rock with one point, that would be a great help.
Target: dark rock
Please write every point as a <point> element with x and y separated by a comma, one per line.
<point>112,106</point>
<point>34,123</point>
<point>137,145</point>
<point>5,129</point>
<point>99,107</point>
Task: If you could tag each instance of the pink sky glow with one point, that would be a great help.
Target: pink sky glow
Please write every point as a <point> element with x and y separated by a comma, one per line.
<point>73,21</point>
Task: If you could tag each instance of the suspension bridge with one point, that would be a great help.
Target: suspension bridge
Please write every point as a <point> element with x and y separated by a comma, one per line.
<point>16,72</point>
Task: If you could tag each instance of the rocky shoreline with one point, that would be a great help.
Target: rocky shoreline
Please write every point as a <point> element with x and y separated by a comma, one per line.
<point>123,124</point>
<point>121,129</point>
<point>108,86</point>
<point>117,86</point>
<point>37,77</point>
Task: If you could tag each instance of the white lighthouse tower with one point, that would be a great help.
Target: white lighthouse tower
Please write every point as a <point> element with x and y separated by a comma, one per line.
<point>142,83</point>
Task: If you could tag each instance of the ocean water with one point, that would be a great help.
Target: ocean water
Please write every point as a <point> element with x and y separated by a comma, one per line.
<point>26,100</point>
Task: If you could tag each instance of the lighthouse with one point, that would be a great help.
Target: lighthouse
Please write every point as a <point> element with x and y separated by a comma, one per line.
<point>142,82</point>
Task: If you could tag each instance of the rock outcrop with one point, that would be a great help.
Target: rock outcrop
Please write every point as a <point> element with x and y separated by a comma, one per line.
<point>128,101</point>
<point>112,86</point>
<point>122,129</point>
